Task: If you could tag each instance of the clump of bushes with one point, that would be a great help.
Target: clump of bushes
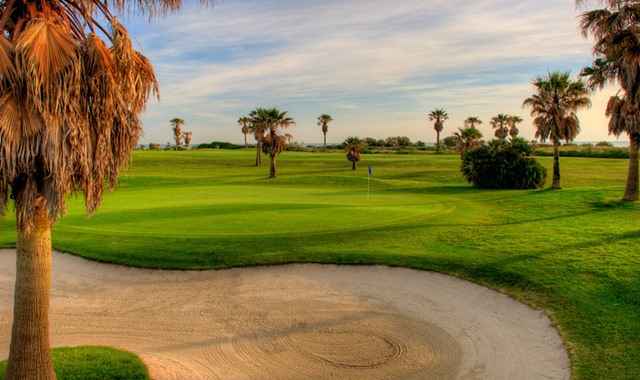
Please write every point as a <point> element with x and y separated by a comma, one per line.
<point>220,145</point>
<point>590,152</point>
<point>503,165</point>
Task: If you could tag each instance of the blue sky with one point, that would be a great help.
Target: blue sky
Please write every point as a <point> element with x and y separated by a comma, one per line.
<point>377,67</point>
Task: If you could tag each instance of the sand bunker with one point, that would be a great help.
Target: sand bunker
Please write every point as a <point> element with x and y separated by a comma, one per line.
<point>295,322</point>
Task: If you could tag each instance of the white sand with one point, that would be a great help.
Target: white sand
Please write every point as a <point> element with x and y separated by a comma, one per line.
<point>295,322</point>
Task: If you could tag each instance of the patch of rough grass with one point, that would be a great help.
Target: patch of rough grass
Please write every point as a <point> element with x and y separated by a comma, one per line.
<point>94,363</point>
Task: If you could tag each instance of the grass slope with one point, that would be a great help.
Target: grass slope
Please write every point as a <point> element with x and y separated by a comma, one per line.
<point>572,252</point>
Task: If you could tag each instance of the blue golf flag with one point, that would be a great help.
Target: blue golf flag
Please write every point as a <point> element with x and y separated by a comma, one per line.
<point>369,169</point>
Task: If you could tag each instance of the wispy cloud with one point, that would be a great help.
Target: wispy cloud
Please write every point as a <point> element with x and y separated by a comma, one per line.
<point>377,67</point>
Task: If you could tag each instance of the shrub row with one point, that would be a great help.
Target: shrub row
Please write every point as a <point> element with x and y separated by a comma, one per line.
<point>589,152</point>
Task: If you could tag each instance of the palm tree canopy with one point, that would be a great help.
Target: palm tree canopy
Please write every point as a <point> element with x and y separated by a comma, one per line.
<point>513,121</point>
<point>244,122</point>
<point>267,123</point>
<point>554,106</point>
<point>323,121</point>
<point>467,138</point>
<point>472,121</point>
<point>352,147</point>
<point>616,31</point>
<point>438,115</point>
<point>71,89</point>
<point>176,123</point>
<point>500,123</point>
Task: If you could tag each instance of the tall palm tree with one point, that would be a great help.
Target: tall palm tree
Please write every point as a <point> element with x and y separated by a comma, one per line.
<point>245,122</point>
<point>273,141</point>
<point>176,124</point>
<point>501,125</point>
<point>554,107</point>
<point>472,121</point>
<point>69,119</point>
<point>513,121</point>
<point>439,116</point>
<point>352,147</point>
<point>323,121</point>
<point>616,33</point>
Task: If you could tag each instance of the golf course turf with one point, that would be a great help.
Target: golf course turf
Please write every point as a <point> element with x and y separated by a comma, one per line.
<point>572,252</point>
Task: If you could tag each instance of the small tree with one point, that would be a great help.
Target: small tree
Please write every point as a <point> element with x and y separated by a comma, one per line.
<point>554,107</point>
<point>245,122</point>
<point>353,147</point>
<point>187,138</point>
<point>273,141</point>
<point>323,121</point>
<point>439,116</point>
<point>176,124</point>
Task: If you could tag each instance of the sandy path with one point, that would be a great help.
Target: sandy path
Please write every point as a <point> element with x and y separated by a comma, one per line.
<point>295,322</point>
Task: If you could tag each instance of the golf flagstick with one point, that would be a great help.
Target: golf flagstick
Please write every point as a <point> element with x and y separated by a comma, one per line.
<point>369,182</point>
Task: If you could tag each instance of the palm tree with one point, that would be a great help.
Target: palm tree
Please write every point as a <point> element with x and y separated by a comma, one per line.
<point>258,127</point>
<point>467,138</point>
<point>323,121</point>
<point>501,124</point>
<point>472,121</point>
<point>512,121</point>
<point>69,107</point>
<point>176,123</point>
<point>439,115</point>
<point>617,42</point>
<point>245,121</point>
<point>352,147</point>
<point>554,108</point>
<point>273,141</point>
<point>186,136</point>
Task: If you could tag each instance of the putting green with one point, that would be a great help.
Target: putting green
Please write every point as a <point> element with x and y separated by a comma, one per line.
<point>209,211</point>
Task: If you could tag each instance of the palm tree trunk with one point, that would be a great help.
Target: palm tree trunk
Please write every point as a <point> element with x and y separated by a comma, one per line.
<point>258,153</point>
<point>556,167</point>
<point>29,353</point>
<point>437,142</point>
<point>325,143</point>
<point>245,141</point>
<point>353,166</point>
<point>633,177</point>
<point>272,169</point>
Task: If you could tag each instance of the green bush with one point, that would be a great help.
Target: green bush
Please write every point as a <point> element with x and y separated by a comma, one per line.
<point>503,165</point>
<point>220,145</point>
<point>589,152</point>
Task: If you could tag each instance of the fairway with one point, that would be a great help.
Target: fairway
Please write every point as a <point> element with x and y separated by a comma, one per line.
<point>572,253</point>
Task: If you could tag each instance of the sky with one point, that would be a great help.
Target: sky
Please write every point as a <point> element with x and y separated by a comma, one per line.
<point>377,67</point>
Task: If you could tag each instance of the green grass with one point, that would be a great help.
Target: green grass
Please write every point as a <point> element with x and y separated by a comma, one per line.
<point>94,363</point>
<point>572,253</point>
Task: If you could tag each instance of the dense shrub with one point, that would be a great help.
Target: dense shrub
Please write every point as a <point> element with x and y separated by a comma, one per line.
<point>589,152</point>
<point>220,145</point>
<point>503,165</point>
<point>450,141</point>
